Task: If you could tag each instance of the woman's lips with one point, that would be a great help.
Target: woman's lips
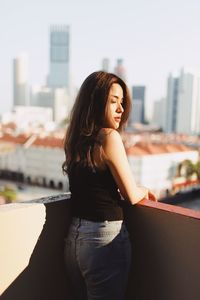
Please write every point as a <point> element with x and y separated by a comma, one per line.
<point>117,119</point>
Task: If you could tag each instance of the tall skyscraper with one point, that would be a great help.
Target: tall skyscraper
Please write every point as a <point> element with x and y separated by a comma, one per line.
<point>170,124</point>
<point>188,107</point>
<point>158,116</point>
<point>20,80</point>
<point>105,64</point>
<point>183,104</point>
<point>119,69</point>
<point>59,57</point>
<point>138,104</point>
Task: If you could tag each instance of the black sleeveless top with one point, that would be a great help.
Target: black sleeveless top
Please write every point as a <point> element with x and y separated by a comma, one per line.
<point>94,194</point>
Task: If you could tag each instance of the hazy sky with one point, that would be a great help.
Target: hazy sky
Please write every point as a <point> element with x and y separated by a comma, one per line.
<point>153,37</point>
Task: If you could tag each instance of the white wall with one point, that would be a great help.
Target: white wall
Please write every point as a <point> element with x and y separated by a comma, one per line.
<point>45,162</point>
<point>157,171</point>
<point>38,163</point>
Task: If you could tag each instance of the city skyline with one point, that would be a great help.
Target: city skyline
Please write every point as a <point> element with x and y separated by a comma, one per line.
<point>153,39</point>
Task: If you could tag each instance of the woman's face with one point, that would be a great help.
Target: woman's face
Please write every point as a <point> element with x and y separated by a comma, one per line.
<point>114,107</point>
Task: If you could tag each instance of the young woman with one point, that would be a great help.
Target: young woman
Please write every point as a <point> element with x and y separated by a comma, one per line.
<point>97,248</point>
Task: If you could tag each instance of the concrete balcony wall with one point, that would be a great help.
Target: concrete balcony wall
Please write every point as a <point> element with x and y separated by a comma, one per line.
<point>165,249</point>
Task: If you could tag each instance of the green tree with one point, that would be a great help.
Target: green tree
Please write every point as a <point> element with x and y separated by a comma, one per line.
<point>9,194</point>
<point>186,169</point>
<point>197,170</point>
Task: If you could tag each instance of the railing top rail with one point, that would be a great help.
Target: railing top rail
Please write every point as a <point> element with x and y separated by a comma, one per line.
<point>151,204</point>
<point>171,208</point>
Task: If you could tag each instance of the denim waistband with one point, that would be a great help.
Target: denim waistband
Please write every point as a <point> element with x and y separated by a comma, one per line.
<point>76,220</point>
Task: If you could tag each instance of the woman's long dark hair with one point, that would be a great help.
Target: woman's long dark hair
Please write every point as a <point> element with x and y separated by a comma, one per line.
<point>87,117</point>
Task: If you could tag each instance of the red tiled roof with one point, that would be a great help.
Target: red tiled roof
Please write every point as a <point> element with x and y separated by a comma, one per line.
<point>49,142</point>
<point>19,139</point>
<point>150,148</point>
<point>140,148</point>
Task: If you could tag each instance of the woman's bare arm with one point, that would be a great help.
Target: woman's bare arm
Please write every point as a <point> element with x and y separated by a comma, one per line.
<point>116,159</point>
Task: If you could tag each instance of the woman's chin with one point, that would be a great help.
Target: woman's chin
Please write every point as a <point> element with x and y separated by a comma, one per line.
<point>113,125</point>
<point>116,125</point>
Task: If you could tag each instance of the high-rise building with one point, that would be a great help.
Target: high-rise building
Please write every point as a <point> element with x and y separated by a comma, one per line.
<point>105,64</point>
<point>183,104</point>
<point>119,69</point>
<point>188,107</point>
<point>20,80</point>
<point>170,124</point>
<point>158,116</point>
<point>59,57</point>
<point>56,99</point>
<point>138,104</point>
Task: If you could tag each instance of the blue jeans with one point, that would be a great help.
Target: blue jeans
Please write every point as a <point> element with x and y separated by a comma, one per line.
<point>97,259</point>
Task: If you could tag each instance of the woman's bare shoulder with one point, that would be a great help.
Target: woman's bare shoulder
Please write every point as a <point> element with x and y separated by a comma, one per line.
<point>108,134</point>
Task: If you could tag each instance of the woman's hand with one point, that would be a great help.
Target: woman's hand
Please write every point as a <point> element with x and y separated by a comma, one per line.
<point>149,195</point>
<point>152,196</point>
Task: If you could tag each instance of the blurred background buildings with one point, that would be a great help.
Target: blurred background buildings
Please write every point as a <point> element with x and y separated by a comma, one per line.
<point>183,103</point>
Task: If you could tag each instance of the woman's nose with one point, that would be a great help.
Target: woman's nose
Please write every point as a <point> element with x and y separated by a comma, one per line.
<point>120,108</point>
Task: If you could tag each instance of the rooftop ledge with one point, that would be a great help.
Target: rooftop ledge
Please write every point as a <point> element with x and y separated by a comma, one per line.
<point>165,249</point>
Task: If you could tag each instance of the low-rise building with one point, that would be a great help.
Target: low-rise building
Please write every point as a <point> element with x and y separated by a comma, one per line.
<point>35,159</point>
<point>155,165</point>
